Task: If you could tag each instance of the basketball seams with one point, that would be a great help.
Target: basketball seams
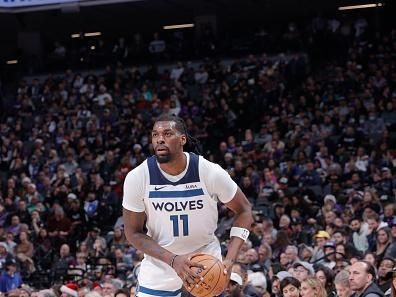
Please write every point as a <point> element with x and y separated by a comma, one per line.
<point>202,275</point>
<point>219,278</point>
<point>216,279</point>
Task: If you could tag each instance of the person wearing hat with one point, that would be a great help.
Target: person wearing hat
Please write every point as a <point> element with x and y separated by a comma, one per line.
<point>298,235</point>
<point>302,270</point>
<point>320,239</point>
<point>329,254</point>
<point>248,290</point>
<point>386,185</point>
<point>93,235</point>
<point>10,278</point>
<point>235,286</point>
<point>69,290</point>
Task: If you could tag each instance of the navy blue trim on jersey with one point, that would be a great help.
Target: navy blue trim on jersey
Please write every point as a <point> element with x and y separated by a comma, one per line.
<point>176,194</point>
<point>157,178</point>
<point>153,292</point>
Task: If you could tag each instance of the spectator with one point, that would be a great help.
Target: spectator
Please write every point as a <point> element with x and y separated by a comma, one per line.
<point>359,235</point>
<point>341,282</point>
<point>386,265</point>
<point>62,261</point>
<point>383,242</point>
<point>326,276</point>
<point>320,239</point>
<point>59,226</point>
<point>362,277</point>
<point>302,270</point>
<point>290,287</point>
<point>24,252</point>
<point>312,287</point>
<point>10,279</point>
<point>235,286</point>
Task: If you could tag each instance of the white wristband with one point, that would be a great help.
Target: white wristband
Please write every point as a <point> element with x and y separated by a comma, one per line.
<point>239,232</point>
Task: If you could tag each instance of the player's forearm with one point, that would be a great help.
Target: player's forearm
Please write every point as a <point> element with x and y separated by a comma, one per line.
<point>148,246</point>
<point>242,220</point>
<point>233,247</point>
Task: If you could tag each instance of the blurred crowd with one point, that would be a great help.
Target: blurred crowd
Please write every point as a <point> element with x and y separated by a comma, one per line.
<point>314,152</point>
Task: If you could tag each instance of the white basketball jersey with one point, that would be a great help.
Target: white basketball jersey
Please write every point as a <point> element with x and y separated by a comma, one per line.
<point>181,216</point>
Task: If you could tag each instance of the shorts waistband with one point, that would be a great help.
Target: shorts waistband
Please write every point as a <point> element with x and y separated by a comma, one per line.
<point>154,292</point>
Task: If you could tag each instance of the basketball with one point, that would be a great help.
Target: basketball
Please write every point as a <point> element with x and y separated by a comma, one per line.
<point>214,279</point>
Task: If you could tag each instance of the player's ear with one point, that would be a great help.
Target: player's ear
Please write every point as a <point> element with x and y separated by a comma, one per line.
<point>183,140</point>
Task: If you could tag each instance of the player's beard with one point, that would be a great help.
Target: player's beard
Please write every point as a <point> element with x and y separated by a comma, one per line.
<point>163,158</point>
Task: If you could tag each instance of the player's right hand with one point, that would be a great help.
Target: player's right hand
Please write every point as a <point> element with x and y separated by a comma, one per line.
<point>188,270</point>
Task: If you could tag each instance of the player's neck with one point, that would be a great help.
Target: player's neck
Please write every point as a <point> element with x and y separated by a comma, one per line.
<point>176,166</point>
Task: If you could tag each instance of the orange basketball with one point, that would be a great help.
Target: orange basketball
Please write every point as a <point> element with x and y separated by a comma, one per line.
<point>214,279</point>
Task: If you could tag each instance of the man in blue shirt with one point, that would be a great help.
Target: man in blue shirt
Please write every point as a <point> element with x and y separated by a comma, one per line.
<point>10,278</point>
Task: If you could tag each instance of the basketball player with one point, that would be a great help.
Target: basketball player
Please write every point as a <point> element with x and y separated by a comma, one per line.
<point>174,195</point>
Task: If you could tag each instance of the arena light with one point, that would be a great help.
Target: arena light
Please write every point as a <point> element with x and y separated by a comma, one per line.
<point>181,26</point>
<point>92,34</point>
<point>11,62</point>
<point>93,47</point>
<point>76,35</point>
<point>361,6</point>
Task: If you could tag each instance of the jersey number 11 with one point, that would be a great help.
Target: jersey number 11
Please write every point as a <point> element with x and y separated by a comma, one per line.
<point>175,220</point>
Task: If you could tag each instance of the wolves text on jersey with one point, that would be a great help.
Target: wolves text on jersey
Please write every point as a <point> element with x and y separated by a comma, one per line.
<point>178,205</point>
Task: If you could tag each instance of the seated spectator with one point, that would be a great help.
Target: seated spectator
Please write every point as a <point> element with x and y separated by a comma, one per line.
<point>290,287</point>
<point>44,250</point>
<point>385,273</point>
<point>93,235</point>
<point>59,226</point>
<point>341,282</point>
<point>361,279</point>
<point>259,282</point>
<point>383,242</point>
<point>4,255</point>
<point>117,240</point>
<point>326,276</point>
<point>302,270</point>
<point>15,226</point>
<point>62,261</point>
<point>24,252</point>
<point>10,279</point>
<point>312,287</point>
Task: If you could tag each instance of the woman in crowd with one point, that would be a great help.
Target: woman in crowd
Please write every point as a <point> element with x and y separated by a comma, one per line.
<point>384,240</point>
<point>312,287</point>
<point>326,277</point>
<point>290,287</point>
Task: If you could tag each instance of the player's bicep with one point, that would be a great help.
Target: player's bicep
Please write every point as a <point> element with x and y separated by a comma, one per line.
<point>239,203</point>
<point>133,221</point>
